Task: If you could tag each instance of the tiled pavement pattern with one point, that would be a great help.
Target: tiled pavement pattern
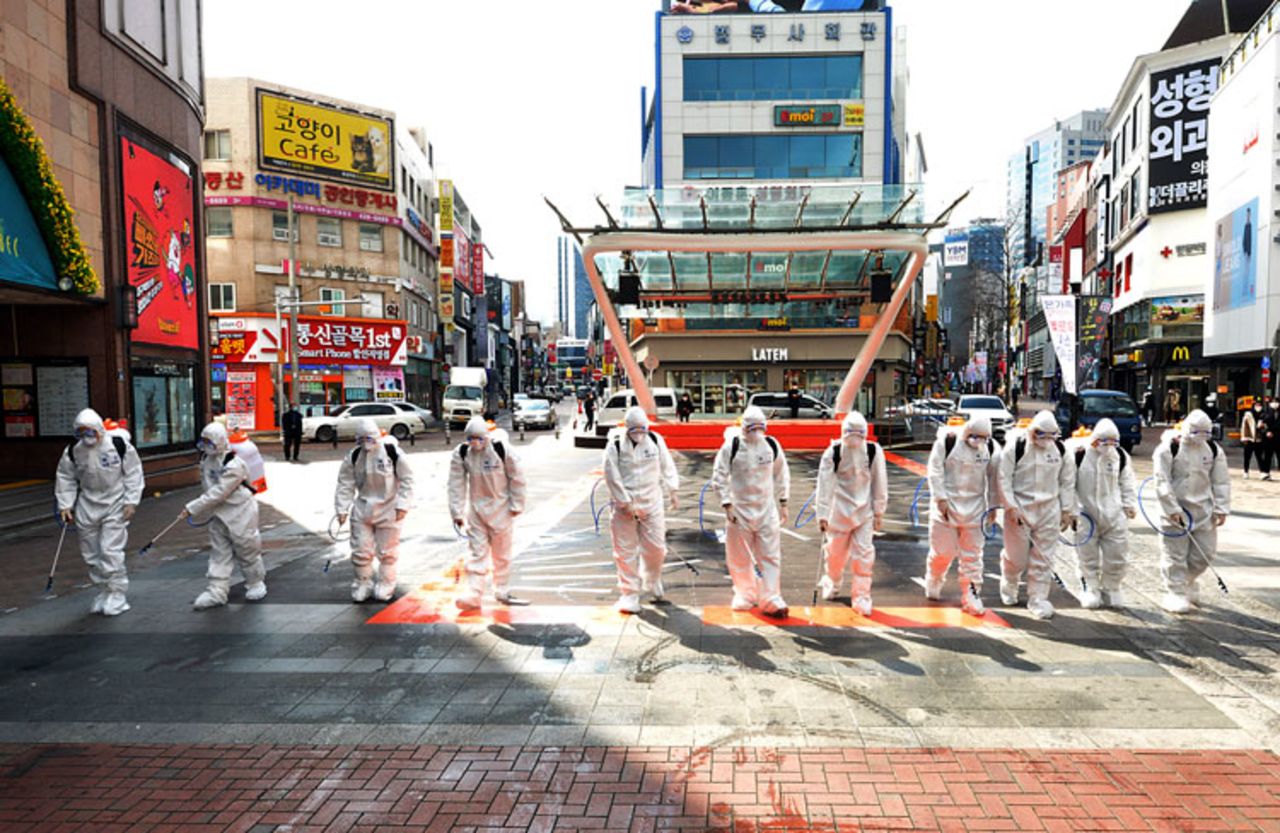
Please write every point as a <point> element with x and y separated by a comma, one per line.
<point>546,789</point>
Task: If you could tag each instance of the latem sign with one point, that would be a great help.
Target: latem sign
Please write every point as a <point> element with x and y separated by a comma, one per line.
<point>768,354</point>
<point>807,115</point>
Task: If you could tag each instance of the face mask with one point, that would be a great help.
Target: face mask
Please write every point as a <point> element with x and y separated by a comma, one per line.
<point>637,434</point>
<point>1199,436</point>
<point>753,430</point>
<point>370,443</point>
<point>976,440</point>
<point>855,438</point>
<point>87,436</point>
<point>205,446</point>
<point>1042,438</point>
<point>476,443</point>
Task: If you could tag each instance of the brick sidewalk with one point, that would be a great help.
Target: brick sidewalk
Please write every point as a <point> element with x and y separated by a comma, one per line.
<point>432,788</point>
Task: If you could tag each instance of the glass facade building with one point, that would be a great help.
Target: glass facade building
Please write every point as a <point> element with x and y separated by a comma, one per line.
<point>773,156</point>
<point>772,77</point>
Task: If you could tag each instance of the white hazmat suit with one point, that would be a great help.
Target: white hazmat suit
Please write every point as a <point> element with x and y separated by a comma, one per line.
<point>98,489</point>
<point>486,493</point>
<point>1106,491</point>
<point>375,487</point>
<point>640,476</point>
<point>1191,477</point>
<point>853,492</point>
<point>962,486</point>
<point>752,479</point>
<point>233,526</point>
<point>1037,486</point>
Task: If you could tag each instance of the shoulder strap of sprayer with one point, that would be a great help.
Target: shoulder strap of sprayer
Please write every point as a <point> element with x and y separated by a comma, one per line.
<point>119,443</point>
<point>1020,448</point>
<point>498,449</point>
<point>737,442</point>
<point>1175,445</point>
<point>231,455</point>
<point>872,450</point>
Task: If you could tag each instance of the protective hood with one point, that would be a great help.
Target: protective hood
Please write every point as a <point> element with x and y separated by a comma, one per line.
<point>1044,421</point>
<point>1106,430</point>
<point>636,418</point>
<point>88,418</point>
<point>978,425</point>
<point>753,416</point>
<point>1197,422</point>
<point>365,428</point>
<point>476,428</point>
<point>854,424</point>
<point>216,433</point>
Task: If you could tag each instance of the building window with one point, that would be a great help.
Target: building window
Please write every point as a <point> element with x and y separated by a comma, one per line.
<point>772,78</point>
<point>329,231</point>
<point>222,297</point>
<point>217,144</point>
<point>334,298</point>
<point>370,237</point>
<point>164,413</point>
<point>372,307</point>
<point>280,226</point>
<point>217,221</point>
<point>1128,272</point>
<point>404,181</point>
<point>773,156</point>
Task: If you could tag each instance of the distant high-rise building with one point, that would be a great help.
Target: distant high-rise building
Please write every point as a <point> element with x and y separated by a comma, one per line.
<point>1032,171</point>
<point>573,291</point>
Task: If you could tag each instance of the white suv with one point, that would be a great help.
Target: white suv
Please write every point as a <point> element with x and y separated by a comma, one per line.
<point>990,407</point>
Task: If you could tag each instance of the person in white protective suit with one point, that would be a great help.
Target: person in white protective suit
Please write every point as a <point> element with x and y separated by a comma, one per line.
<point>98,487</point>
<point>1106,491</point>
<point>753,482</point>
<point>853,492</point>
<point>233,526</point>
<point>640,476</point>
<point>1191,478</point>
<point>486,493</point>
<point>962,486</point>
<point>375,487</point>
<point>1037,487</point>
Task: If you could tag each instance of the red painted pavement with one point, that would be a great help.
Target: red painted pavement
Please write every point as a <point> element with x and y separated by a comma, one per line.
<point>545,789</point>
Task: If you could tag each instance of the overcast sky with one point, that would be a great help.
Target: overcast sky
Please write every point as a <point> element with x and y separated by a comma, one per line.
<point>524,99</point>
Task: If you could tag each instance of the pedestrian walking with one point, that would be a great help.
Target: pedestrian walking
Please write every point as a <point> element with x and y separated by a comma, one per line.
<point>641,477</point>
<point>1271,438</point>
<point>684,408</point>
<point>1148,407</point>
<point>753,481</point>
<point>853,493</point>
<point>1251,428</point>
<point>589,408</point>
<point>291,423</point>
<point>98,487</point>
<point>375,487</point>
<point>486,493</point>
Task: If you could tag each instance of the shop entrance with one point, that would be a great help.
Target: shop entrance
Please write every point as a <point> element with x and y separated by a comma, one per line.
<point>1183,394</point>
<point>719,391</point>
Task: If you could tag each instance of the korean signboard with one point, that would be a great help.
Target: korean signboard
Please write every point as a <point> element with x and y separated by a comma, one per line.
<point>302,136</point>
<point>159,213</point>
<point>321,340</point>
<point>1095,313</point>
<point>477,268</point>
<point>807,115</point>
<point>1178,155</point>
<point>446,205</point>
<point>761,6</point>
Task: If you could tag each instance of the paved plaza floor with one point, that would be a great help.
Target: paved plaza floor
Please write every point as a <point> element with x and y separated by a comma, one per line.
<point>304,711</point>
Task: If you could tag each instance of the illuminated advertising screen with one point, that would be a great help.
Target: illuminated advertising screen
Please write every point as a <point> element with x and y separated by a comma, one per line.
<point>159,215</point>
<point>301,136</point>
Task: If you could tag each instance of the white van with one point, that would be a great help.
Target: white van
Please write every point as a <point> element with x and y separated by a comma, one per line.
<point>616,405</point>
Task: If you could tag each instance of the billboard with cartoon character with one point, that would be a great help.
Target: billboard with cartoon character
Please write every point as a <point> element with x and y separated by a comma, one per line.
<point>321,140</point>
<point>159,214</point>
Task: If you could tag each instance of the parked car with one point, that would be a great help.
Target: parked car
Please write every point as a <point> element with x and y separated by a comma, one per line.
<point>989,406</point>
<point>520,397</point>
<point>388,417</point>
<point>778,406</point>
<point>932,409</point>
<point>423,414</point>
<point>533,413</point>
<point>615,407</point>
<point>1114,405</point>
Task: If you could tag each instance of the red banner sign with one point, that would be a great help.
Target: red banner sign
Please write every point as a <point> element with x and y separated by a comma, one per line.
<point>321,340</point>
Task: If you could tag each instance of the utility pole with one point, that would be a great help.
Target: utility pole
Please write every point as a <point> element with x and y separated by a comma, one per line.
<point>293,310</point>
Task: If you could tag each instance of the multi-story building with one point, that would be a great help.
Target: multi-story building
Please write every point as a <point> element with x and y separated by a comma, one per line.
<point>970,297</point>
<point>1157,229</point>
<point>462,282</point>
<point>774,108</point>
<point>1031,176</point>
<point>1242,307</point>
<point>573,291</point>
<point>272,155</point>
<point>103,281</point>
<point>419,267</point>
